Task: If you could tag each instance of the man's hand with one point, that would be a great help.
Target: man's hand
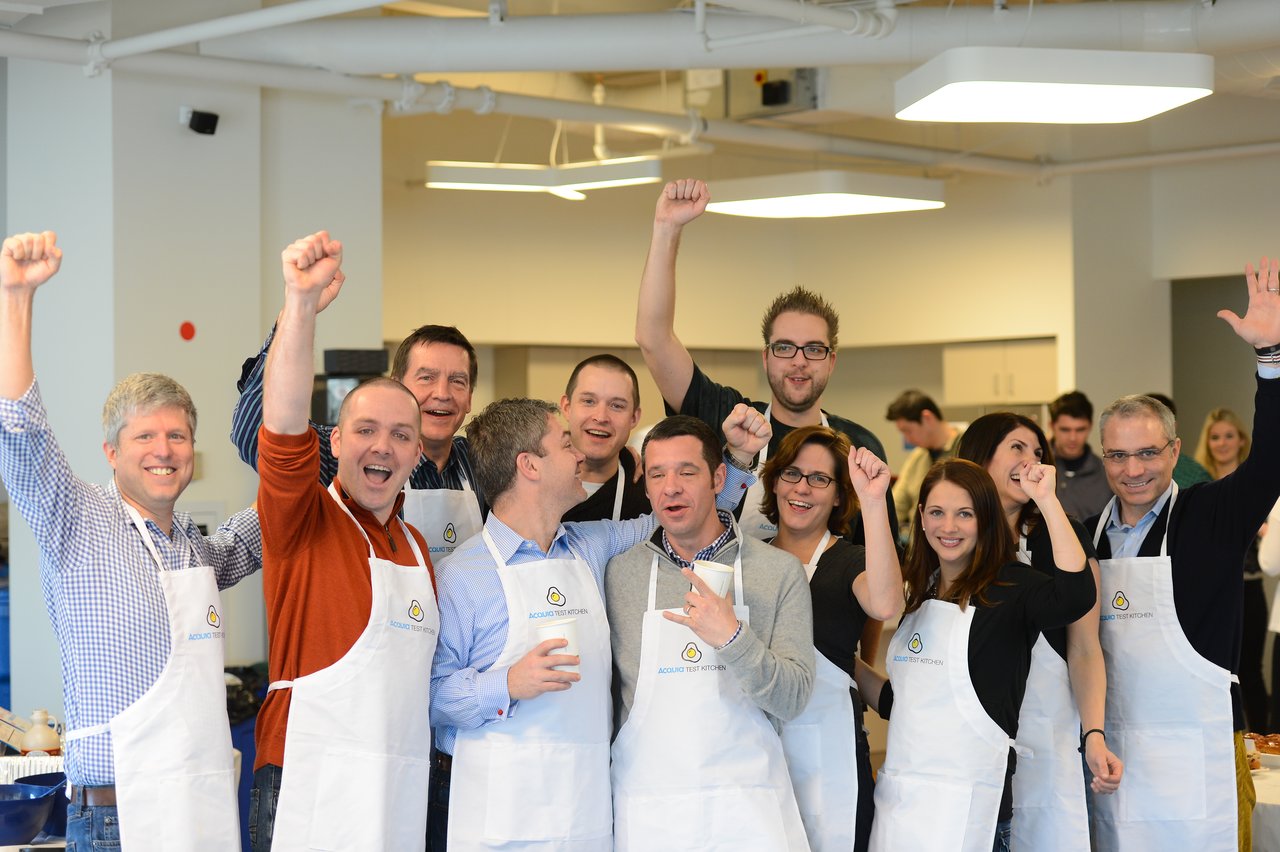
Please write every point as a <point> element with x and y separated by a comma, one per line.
<point>312,268</point>
<point>709,616</point>
<point>680,203</point>
<point>28,260</point>
<point>747,431</point>
<point>869,474</point>
<point>1107,769</point>
<point>534,674</point>
<point>1260,326</point>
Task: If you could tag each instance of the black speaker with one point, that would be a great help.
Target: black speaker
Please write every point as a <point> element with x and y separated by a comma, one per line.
<point>203,122</point>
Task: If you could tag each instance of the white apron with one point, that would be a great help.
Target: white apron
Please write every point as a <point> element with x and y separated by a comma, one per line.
<point>753,522</point>
<point>540,778</point>
<point>174,768</point>
<point>445,517</point>
<point>1168,716</point>
<point>943,775</point>
<point>358,744</point>
<point>698,766</point>
<point>1049,809</point>
<point>821,745</point>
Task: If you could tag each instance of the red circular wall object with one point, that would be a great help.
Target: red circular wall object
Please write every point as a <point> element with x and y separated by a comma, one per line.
<point>187,330</point>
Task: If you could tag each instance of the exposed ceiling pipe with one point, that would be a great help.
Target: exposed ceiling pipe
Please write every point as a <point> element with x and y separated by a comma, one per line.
<point>273,16</point>
<point>875,24</point>
<point>671,41</point>
<point>409,97</point>
<point>1170,158</point>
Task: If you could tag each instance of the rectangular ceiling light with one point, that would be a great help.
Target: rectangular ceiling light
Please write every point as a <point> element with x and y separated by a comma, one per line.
<point>809,195</point>
<point>1031,85</point>
<point>566,181</point>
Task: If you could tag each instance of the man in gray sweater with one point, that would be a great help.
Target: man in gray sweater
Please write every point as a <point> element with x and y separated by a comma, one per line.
<point>702,682</point>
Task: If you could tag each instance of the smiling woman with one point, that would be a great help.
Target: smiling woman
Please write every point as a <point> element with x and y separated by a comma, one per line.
<point>959,661</point>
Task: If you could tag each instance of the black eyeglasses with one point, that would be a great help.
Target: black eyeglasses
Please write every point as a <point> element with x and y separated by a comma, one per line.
<point>1147,454</point>
<point>812,351</point>
<point>816,480</point>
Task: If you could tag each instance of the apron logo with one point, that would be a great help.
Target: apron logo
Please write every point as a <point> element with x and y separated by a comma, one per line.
<point>916,645</point>
<point>415,611</point>
<point>212,617</point>
<point>554,597</point>
<point>691,654</point>
<point>450,534</point>
<point>1120,601</point>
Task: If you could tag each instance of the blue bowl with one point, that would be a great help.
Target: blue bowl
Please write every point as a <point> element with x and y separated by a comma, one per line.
<point>24,809</point>
<point>56,826</point>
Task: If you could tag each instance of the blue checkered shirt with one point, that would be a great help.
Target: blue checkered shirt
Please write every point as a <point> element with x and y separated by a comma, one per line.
<point>101,587</point>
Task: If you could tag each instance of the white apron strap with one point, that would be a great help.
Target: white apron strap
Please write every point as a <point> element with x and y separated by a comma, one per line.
<point>621,486</point>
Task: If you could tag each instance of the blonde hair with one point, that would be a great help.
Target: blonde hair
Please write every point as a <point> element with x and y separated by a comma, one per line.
<point>1221,415</point>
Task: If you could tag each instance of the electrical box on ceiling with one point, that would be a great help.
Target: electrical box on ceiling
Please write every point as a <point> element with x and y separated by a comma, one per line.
<point>762,93</point>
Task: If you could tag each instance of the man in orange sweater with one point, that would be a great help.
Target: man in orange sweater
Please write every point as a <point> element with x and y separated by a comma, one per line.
<point>351,610</point>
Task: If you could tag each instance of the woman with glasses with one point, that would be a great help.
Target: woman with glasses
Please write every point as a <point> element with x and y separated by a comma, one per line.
<point>813,487</point>
<point>959,661</point>
<point>1067,684</point>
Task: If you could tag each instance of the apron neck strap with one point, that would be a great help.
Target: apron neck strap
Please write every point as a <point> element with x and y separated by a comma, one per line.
<point>817,554</point>
<point>141,524</point>
<point>1105,518</point>
<point>413,542</point>
<point>737,574</point>
<point>621,484</point>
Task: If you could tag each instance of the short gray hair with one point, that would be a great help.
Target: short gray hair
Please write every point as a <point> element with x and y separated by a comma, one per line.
<point>1138,405</point>
<point>142,393</point>
<point>499,434</point>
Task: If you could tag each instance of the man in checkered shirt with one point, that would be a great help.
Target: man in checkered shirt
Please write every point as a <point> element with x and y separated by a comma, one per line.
<point>131,587</point>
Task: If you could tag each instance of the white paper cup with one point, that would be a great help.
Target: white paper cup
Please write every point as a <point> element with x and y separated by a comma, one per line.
<point>718,577</point>
<point>561,628</point>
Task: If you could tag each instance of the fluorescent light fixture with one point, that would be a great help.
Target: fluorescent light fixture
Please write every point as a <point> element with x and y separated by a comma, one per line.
<point>809,195</point>
<point>1031,85</point>
<point>566,181</point>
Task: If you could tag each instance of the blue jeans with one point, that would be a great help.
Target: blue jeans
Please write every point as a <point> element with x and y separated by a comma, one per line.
<point>262,806</point>
<point>1004,832</point>
<point>438,809</point>
<point>92,827</point>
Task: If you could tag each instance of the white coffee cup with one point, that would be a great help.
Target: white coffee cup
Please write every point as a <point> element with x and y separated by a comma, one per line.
<point>718,577</point>
<point>560,628</point>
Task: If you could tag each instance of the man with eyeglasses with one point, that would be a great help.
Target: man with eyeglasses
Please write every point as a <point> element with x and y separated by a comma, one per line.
<point>800,334</point>
<point>1170,598</point>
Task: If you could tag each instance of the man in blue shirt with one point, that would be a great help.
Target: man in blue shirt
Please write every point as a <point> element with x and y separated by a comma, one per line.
<point>517,735</point>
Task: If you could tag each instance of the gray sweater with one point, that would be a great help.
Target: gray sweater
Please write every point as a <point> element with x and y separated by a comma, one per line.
<point>772,658</point>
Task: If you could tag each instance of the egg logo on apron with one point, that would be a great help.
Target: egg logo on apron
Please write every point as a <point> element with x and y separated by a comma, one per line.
<point>450,535</point>
<point>415,611</point>
<point>916,645</point>
<point>213,618</point>
<point>691,653</point>
<point>554,597</point>
<point>1120,601</point>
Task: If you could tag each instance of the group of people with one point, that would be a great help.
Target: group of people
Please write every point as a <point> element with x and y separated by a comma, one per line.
<point>512,639</point>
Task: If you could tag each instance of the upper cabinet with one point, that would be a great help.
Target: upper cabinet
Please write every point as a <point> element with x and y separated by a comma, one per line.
<point>1000,371</point>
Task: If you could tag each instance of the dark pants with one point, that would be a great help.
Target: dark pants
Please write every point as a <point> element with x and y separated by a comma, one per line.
<point>91,827</point>
<point>263,799</point>
<point>1253,690</point>
<point>438,802</point>
<point>866,784</point>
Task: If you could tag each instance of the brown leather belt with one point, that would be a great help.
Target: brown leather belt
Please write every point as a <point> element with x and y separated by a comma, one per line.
<point>93,796</point>
<point>441,761</point>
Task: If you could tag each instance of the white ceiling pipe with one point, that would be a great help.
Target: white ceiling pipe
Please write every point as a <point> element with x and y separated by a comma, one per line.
<point>272,16</point>
<point>670,41</point>
<point>852,21</point>
<point>1170,158</point>
<point>408,98</point>
<point>431,97</point>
